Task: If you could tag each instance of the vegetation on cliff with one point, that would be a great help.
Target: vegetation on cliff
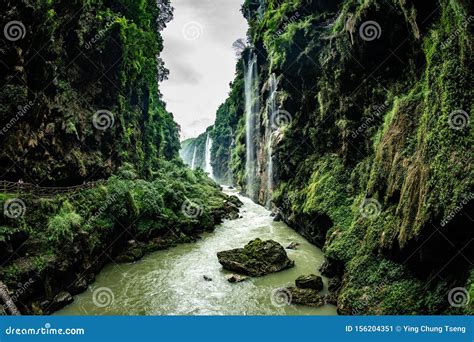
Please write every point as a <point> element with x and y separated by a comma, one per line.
<point>86,77</point>
<point>373,157</point>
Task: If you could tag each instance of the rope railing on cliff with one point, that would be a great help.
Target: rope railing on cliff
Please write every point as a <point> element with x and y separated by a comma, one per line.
<point>40,191</point>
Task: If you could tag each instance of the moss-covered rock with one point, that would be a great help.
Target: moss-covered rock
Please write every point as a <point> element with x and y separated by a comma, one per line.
<point>311,281</point>
<point>256,259</point>
<point>374,162</point>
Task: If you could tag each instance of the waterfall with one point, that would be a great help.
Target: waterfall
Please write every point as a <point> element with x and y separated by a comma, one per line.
<point>251,111</point>
<point>208,166</point>
<point>193,163</point>
<point>261,9</point>
<point>272,109</point>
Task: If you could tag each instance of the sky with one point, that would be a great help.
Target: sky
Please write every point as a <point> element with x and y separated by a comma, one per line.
<point>199,55</point>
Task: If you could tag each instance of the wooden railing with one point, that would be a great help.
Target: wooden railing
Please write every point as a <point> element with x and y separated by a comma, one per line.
<point>40,191</point>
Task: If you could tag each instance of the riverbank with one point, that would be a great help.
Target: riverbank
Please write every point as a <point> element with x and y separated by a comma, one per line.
<point>171,282</point>
<point>53,248</point>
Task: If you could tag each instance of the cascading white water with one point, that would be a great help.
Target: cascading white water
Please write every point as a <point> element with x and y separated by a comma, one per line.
<point>272,109</point>
<point>251,111</point>
<point>208,166</point>
<point>193,163</point>
<point>261,9</point>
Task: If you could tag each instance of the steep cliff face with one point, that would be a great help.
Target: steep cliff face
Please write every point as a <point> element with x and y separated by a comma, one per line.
<point>86,76</point>
<point>352,119</point>
<point>79,89</point>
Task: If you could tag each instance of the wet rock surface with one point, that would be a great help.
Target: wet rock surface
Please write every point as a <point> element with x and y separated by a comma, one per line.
<point>236,278</point>
<point>256,259</point>
<point>311,281</point>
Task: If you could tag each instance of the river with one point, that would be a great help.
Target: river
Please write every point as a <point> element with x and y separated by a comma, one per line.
<point>171,282</point>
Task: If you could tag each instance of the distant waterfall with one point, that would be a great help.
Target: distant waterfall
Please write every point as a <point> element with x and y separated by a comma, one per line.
<point>272,111</point>
<point>251,111</point>
<point>208,166</point>
<point>193,163</point>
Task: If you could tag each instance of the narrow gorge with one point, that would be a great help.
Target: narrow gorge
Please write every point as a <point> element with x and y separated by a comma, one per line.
<point>344,144</point>
<point>349,120</point>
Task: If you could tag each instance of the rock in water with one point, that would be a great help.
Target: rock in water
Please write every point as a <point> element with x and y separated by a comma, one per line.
<point>307,297</point>
<point>311,281</point>
<point>62,299</point>
<point>256,259</point>
<point>236,201</point>
<point>278,217</point>
<point>236,278</point>
<point>293,245</point>
<point>207,278</point>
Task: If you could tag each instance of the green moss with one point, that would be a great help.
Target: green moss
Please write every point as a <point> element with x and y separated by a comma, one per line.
<point>407,157</point>
<point>326,191</point>
<point>62,227</point>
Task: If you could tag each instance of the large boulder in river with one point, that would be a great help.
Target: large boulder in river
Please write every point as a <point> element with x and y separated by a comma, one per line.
<point>256,259</point>
<point>311,281</point>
